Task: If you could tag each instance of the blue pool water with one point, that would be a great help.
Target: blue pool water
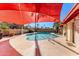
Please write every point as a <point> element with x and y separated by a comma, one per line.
<point>41,36</point>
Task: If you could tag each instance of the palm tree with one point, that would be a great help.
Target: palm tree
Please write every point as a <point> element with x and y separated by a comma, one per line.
<point>56,26</point>
<point>28,26</point>
<point>37,25</point>
<point>44,26</point>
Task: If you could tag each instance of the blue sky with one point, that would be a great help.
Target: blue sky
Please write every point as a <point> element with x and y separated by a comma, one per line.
<point>65,9</point>
<point>43,24</point>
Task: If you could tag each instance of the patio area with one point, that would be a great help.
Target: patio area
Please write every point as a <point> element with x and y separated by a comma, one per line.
<point>24,47</point>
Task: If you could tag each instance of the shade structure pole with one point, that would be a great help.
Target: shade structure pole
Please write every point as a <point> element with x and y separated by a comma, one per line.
<point>22,29</point>
<point>35,36</point>
<point>37,50</point>
<point>22,17</point>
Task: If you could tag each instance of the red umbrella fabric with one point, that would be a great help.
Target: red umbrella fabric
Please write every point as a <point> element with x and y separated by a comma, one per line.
<point>17,12</point>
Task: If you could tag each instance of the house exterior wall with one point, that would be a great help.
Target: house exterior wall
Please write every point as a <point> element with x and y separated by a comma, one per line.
<point>70,32</point>
<point>76,34</point>
<point>64,30</point>
<point>73,31</point>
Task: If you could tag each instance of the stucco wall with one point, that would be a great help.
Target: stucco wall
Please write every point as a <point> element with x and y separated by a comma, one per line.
<point>76,36</point>
<point>70,31</point>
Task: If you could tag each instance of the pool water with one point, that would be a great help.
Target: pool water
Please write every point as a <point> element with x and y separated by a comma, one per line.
<point>41,36</point>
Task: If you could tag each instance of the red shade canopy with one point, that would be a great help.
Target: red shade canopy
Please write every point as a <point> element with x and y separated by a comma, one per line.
<point>15,17</point>
<point>23,13</point>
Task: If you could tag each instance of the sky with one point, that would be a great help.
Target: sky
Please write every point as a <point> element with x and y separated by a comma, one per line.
<point>43,24</point>
<point>64,11</point>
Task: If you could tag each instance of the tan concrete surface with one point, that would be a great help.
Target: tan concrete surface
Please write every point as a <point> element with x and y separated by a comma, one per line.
<point>27,48</point>
<point>53,49</point>
<point>23,46</point>
<point>62,40</point>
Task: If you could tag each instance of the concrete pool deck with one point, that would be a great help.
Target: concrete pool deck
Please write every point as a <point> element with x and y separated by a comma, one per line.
<point>47,47</point>
<point>62,41</point>
<point>23,46</point>
<point>27,48</point>
<point>6,49</point>
<point>53,49</point>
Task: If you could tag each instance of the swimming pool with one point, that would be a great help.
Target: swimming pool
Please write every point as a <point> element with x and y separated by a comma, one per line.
<point>41,36</point>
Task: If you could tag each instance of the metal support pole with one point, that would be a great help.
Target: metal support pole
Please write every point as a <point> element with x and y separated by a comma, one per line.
<point>37,50</point>
<point>22,29</point>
